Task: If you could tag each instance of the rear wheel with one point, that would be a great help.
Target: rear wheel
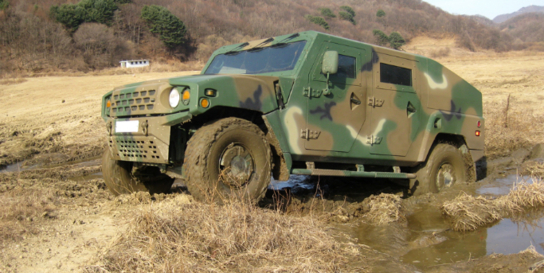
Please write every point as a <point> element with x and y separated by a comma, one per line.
<point>445,167</point>
<point>228,158</point>
<point>119,180</point>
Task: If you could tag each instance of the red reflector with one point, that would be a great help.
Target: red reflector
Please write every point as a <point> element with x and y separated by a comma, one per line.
<point>478,133</point>
<point>479,124</point>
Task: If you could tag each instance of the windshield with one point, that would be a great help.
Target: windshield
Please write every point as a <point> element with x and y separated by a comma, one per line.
<point>279,57</point>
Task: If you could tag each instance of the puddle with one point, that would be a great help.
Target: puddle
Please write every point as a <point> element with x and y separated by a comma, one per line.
<point>88,162</point>
<point>508,237</point>
<point>97,175</point>
<point>17,167</point>
<point>427,239</point>
<point>502,186</point>
<point>12,168</point>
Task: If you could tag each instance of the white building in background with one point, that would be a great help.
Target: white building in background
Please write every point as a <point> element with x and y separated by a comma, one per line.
<point>134,63</point>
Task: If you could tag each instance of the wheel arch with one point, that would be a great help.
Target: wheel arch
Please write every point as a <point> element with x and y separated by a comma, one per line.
<point>459,142</point>
<point>452,139</point>
<point>280,170</point>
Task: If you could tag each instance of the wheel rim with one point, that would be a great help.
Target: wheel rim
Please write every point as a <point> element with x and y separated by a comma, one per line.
<point>235,166</point>
<point>445,176</point>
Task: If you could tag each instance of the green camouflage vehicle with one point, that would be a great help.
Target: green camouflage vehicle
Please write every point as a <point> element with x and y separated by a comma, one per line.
<point>306,103</point>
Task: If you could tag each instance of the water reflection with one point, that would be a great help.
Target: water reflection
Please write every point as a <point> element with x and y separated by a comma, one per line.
<point>508,236</point>
<point>295,181</point>
<point>502,186</point>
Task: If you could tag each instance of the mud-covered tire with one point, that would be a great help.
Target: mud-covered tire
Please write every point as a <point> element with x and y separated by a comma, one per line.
<point>445,166</point>
<point>228,158</point>
<point>118,178</point>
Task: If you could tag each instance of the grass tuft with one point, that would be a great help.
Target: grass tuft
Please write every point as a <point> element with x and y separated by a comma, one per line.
<point>467,213</point>
<point>235,237</point>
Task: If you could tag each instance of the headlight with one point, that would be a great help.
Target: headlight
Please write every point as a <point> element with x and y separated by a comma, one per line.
<point>174,98</point>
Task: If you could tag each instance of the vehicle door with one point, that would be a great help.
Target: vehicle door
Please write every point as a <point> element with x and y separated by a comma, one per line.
<point>394,102</point>
<point>335,116</point>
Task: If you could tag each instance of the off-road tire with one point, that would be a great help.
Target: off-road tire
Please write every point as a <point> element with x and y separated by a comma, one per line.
<point>444,167</point>
<point>210,144</point>
<point>119,180</point>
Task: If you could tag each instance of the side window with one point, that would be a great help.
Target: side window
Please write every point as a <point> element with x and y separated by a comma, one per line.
<point>395,75</point>
<point>346,67</point>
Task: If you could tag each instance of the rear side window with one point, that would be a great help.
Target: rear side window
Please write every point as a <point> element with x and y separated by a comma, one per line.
<point>395,75</point>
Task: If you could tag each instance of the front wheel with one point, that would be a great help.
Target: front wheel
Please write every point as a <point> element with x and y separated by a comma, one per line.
<point>444,168</point>
<point>228,158</point>
<point>119,180</point>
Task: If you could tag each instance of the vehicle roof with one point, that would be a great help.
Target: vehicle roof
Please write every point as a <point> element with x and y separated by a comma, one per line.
<point>312,36</point>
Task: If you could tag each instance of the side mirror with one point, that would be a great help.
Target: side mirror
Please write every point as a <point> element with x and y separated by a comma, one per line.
<point>330,66</point>
<point>330,62</point>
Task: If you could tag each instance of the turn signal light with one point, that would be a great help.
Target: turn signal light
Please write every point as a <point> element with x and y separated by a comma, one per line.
<point>108,104</point>
<point>204,103</point>
<point>186,95</point>
<point>478,133</point>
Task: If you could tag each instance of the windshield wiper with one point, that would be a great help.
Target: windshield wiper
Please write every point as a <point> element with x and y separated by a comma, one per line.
<point>255,49</point>
<point>280,45</point>
<point>232,53</point>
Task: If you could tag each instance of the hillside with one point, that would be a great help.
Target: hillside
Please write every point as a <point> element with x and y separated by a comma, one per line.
<point>504,17</point>
<point>92,34</point>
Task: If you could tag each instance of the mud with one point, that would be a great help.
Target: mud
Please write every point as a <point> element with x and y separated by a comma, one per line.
<point>378,215</point>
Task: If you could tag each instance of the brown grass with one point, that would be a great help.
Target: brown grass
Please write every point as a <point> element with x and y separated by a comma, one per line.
<point>467,213</point>
<point>236,237</point>
<point>509,129</point>
<point>535,169</point>
<point>384,209</point>
<point>12,81</point>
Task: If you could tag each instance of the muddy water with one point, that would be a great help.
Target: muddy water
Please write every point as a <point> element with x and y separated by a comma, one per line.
<point>17,167</point>
<point>22,166</point>
<point>426,239</point>
<point>502,186</point>
<point>12,168</point>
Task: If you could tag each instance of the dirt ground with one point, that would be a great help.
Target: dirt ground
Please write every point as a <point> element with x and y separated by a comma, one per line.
<point>57,216</point>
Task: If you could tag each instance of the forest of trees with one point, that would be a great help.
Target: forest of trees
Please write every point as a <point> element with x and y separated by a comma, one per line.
<point>82,35</point>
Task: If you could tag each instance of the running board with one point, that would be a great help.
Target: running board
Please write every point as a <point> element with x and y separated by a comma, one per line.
<point>327,172</point>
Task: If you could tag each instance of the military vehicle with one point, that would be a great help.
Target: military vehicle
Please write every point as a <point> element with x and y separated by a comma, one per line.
<point>306,103</point>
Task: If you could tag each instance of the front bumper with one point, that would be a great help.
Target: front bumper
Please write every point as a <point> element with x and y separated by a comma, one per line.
<point>148,139</point>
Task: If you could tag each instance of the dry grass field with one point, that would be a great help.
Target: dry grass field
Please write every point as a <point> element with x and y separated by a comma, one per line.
<point>57,216</point>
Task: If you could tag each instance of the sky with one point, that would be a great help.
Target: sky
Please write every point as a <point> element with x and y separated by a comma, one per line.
<point>487,8</point>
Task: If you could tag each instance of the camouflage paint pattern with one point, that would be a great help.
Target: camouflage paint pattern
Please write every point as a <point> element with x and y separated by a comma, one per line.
<point>360,120</point>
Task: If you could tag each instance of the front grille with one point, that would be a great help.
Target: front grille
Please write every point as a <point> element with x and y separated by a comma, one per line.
<point>133,103</point>
<point>139,149</point>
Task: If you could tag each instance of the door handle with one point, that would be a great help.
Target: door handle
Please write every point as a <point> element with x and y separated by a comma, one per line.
<point>355,101</point>
<point>410,110</point>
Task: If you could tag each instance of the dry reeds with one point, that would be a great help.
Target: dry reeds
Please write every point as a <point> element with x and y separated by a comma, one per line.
<point>534,168</point>
<point>235,237</point>
<point>384,209</point>
<point>509,128</point>
<point>467,213</point>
